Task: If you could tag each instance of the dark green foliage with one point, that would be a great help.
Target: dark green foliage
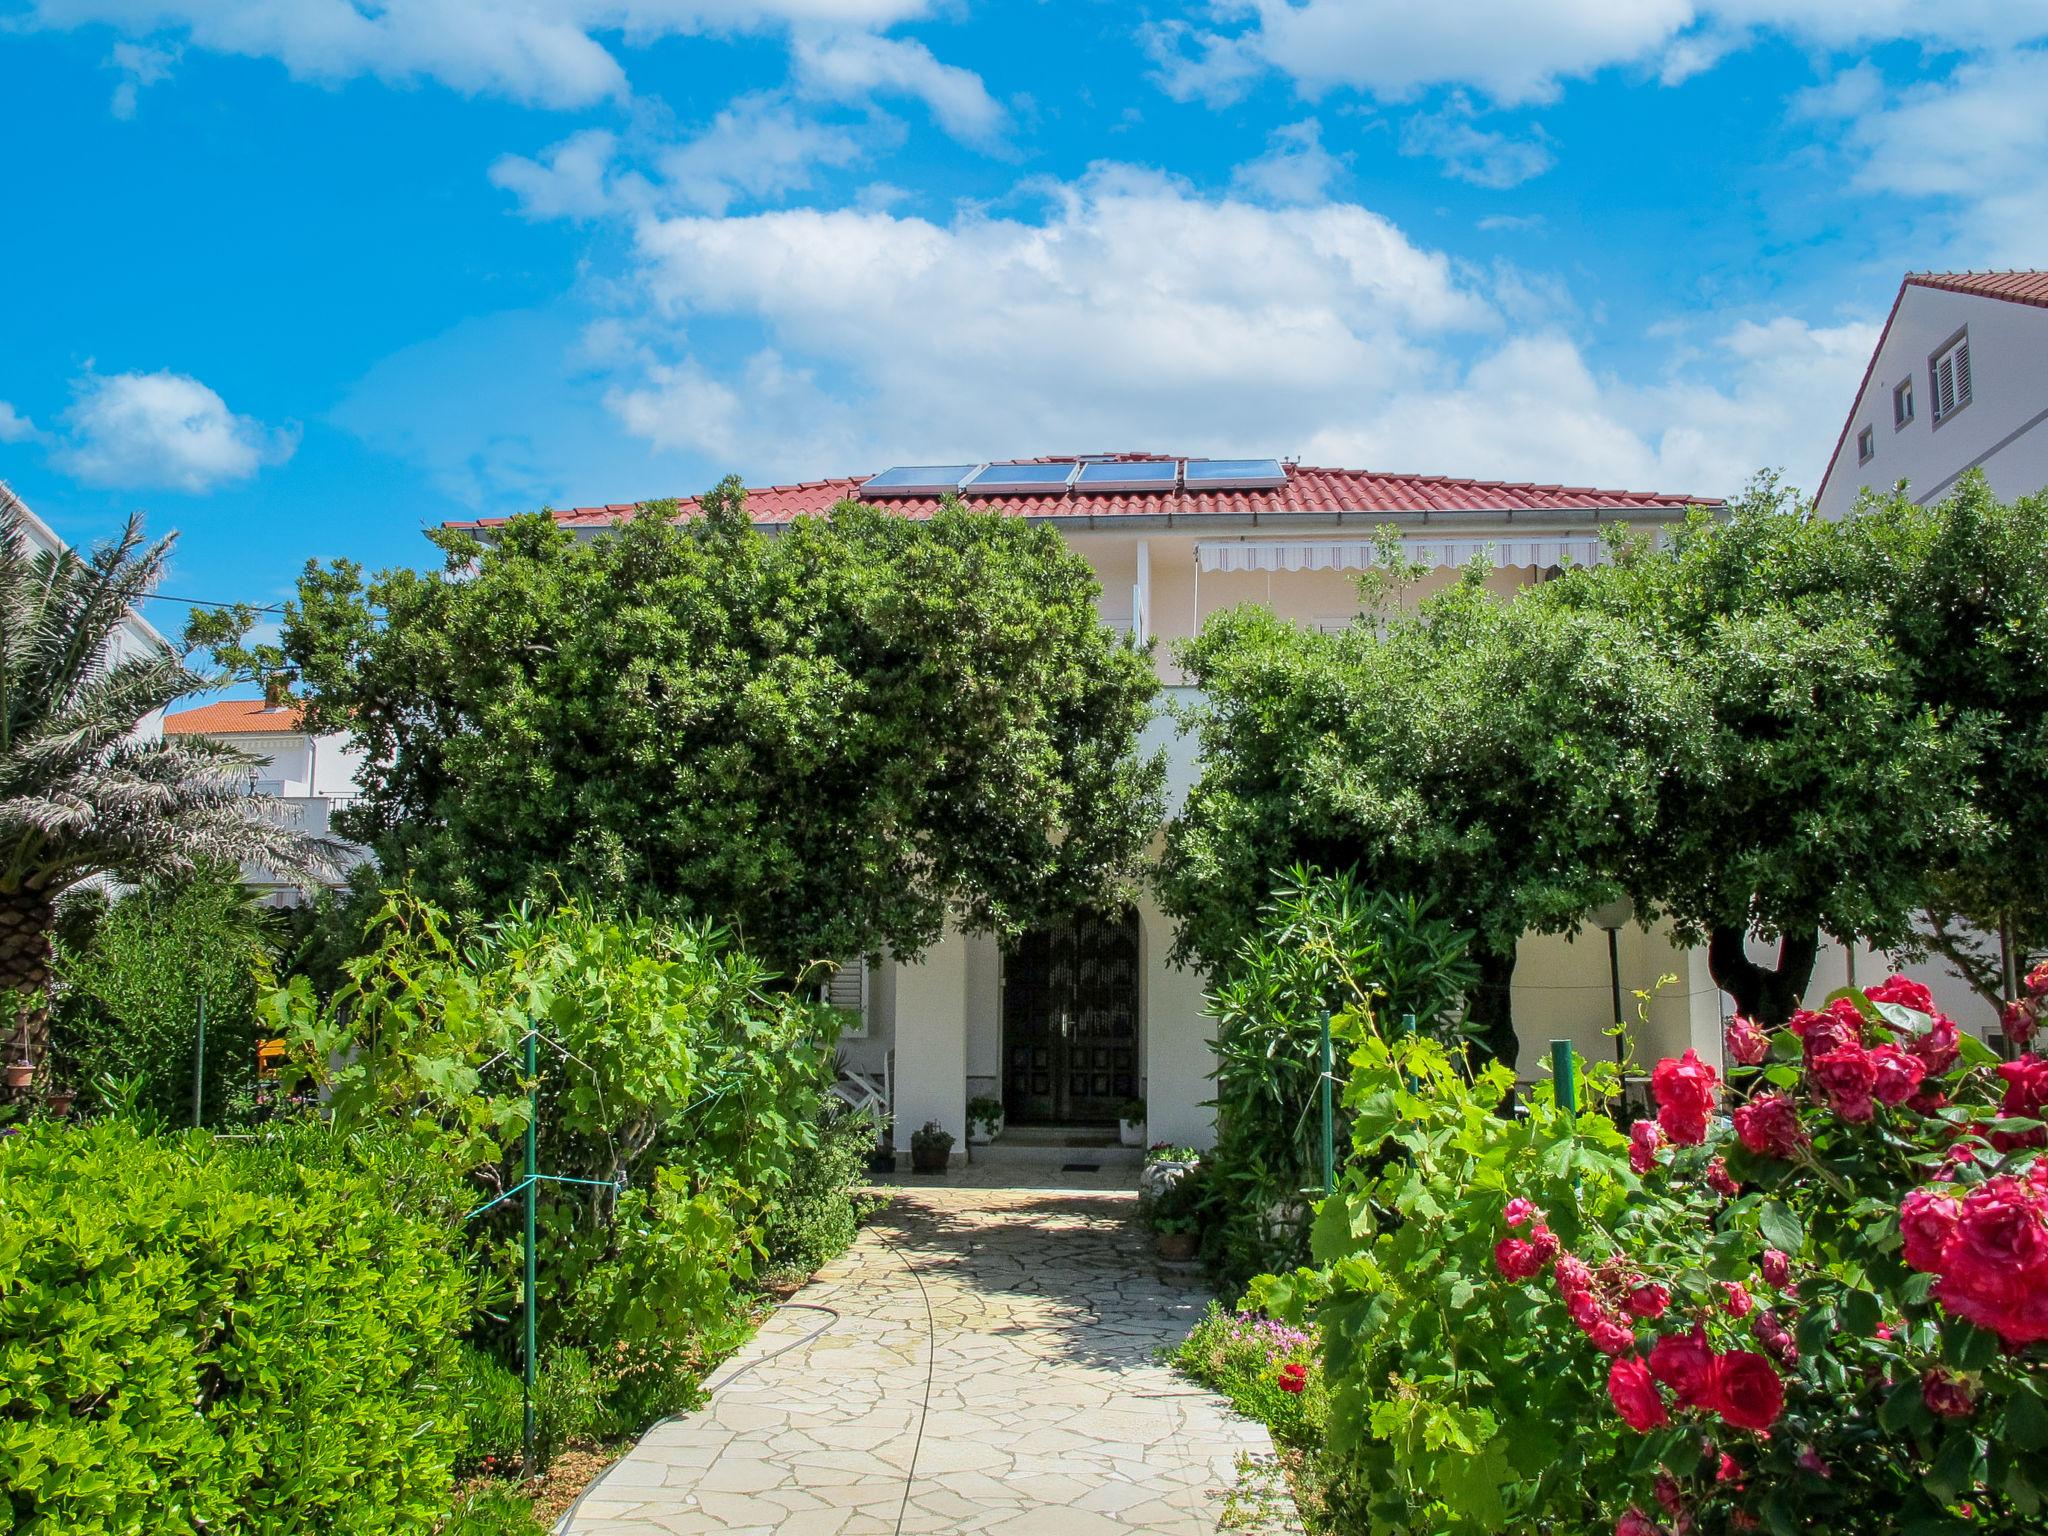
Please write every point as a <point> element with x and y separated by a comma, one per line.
<point>197,1335</point>
<point>130,990</point>
<point>486,1509</point>
<point>1324,946</point>
<point>743,723</point>
<point>814,1217</point>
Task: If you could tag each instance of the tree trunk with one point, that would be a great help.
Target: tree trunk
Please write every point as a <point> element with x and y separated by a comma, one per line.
<point>26,918</point>
<point>1492,1010</point>
<point>1770,997</point>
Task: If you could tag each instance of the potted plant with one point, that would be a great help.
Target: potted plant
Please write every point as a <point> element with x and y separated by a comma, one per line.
<point>984,1120</point>
<point>58,1095</point>
<point>930,1146</point>
<point>1131,1123</point>
<point>1177,1235</point>
<point>882,1158</point>
<point>20,1074</point>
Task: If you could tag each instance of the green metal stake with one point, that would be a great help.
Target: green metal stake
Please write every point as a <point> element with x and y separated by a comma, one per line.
<point>532,1187</point>
<point>1561,1074</point>
<point>1329,1112</point>
<point>199,1062</point>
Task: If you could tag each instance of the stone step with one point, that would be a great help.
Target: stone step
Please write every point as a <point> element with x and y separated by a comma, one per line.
<point>1038,1154</point>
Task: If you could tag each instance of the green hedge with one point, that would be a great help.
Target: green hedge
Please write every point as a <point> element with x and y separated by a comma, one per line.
<point>200,1335</point>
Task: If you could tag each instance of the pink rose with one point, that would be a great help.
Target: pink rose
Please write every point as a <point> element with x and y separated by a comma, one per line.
<point>1634,1522</point>
<point>1926,1219</point>
<point>1946,1396</point>
<point>1648,1300</point>
<point>2016,1019</point>
<point>1903,991</point>
<point>1840,1025</point>
<point>1745,1042</point>
<point>1769,1330</point>
<point>1739,1302</point>
<point>1516,1259</point>
<point>1720,1180</point>
<point>2026,1098</point>
<point>1775,1267</point>
<point>1571,1275</point>
<point>1746,1390</point>
<point>1994,1264</point>
<point>1898,1074</point>
<point>1848,1077</point>
<point>1683,1362</point>
<point>1686,1091</point>
<point>1769,1126</point>
<point>1519,1211</point>
<point>1936,1046</point>
<point>2037,980</point>
<point>1544,1241</point>
<point>1644,1138</point>
<point>1633,1391</point>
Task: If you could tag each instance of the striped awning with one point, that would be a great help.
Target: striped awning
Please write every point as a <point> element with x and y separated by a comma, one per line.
<point>1363,554</point>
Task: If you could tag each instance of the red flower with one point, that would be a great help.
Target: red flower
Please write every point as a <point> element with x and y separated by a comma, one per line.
<point>1648,1300</point>
<point>1729,1471</point>
<point>1769,1126</point>
<point>1937,1046</point>
<point>1720,1180</point>
<point>1848,1077</point>
<point>1904,991</point>
<point>1643,1141</point>
<point>2026,1098</point>
<point>1518,1212</point>
<point>1898,1074</point>
<point>1293,1377</point>
<point>1769,1330</point>
<point>2016,1018</point>
<point>1683,1362</point>
<point>1840,1025</point>
<point>1739,1303</point>
<point>1745,1042</point>
<point>1946,1396</point>
<point>1775,1267</point>
<point>1926,1219</point>
<point>1745,1389</point>
<point>1544,1241</point>
<point>1634,1394</point>
<point>1668,1493</point>
<point>1515,1259</point>
<point>1686,1091</point>
<point>1634,1522</point>
<point>1994,1264</point>
<point>2037,980</point>
<point>1571,1274</point>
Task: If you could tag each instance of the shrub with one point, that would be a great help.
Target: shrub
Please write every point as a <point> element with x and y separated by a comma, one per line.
<point>197,1336</point>
<point>129,990</point>
<point>1827,1314</point>
<point>1268,1370</point>
<point>815,1216</point>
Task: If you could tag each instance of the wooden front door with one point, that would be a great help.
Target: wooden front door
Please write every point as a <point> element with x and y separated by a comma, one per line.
<point>1070,1021</point>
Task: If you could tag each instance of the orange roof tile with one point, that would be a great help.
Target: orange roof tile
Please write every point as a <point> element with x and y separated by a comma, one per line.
<point>234,717</point>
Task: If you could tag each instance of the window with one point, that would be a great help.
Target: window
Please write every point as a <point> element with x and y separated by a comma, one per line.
<point>1948,378</point>
<point>1902,404</point>
<point>847,990</point>
<point>1866,446</point>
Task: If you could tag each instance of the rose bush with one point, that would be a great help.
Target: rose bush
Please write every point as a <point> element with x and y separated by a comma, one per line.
<point>1816,1298</point>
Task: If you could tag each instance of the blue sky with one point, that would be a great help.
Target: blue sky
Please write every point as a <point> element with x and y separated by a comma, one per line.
<point>300,279</point>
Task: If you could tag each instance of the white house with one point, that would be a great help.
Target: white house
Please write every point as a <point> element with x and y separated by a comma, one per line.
<point>309,776</point>
<point>1070,1021</point>
<point>1959,381</point>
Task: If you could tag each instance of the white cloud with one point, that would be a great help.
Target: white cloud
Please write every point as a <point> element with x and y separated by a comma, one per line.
<point>15,427</point>
<point>1295,167</point>
<point>1465,150</point>
<point>1138,313</point>
<point>163,430</point>
<point>541,51</point>
<point>1514,52</point>
<point>849,68</point>
<point>569,181</point>
<point>140,66</point>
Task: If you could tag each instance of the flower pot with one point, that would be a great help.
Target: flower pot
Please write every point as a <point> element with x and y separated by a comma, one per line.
<point>1176,1247</point>
<point>929,1160</point>
<point>20,1073</point>
<point>1131,1132</point>
<point>981,1132</point>
<point>59,1104</point>
<point>881,1160</point>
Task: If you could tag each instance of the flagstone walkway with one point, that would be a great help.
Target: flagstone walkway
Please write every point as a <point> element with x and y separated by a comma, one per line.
<point>982,1360</point>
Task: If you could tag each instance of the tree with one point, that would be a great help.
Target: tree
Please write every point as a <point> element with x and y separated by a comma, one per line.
<point>80,793</point>
<point>1498,758</point>
<point>1823,787</point>
<point>834,738</point>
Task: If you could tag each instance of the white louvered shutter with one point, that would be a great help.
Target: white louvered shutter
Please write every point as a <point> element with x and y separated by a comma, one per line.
<point>848,992</point>
<point>1963,374</point>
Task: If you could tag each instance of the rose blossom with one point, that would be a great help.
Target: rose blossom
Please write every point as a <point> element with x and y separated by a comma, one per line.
<point>1668,1493</point>
<point>1682,1362</point>
<point>1729,1471</point>
<point>1904,991</point>
<point>1648,1300</point>
<point>1994,1264</point>
<point>1926,1219</point>
<point>1686,1092</point>
<point>1769,1330</point>
<point>1518,1211</point>
<point>1769,1126</point>
<point>1571,1274</point>
<point>1720,1180</point>
<point>1810,1461</point>
<point>1516,1259</point>
<point>1898,1074</point>
<point>2037,980</point>
<point>1633,1391</point>
<point>1946,1396</point>
<point>1936,1046</point>
<point>1847,1076</point>
<point>1739,1303</point>
<point>1610,1335</point>
<point>2026,1098</point>
<point>1840,1025</point>
<point>1745,1042</point>
<point>1776,1267</point>
<point>2016,1018</point>
<point>1745,1389</point>
<point>1643,1140</point>
<point>1634,1522</point>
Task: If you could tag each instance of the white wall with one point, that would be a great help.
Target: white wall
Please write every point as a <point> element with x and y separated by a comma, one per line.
<point>2009,395</point>
<point>1175,1036</point>
<point>930,1009</point>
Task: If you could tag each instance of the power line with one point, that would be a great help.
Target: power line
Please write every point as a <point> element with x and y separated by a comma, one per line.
<point>211,602</point>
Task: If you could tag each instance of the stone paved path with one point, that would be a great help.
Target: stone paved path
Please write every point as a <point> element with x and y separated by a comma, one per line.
<point>991,1368</point>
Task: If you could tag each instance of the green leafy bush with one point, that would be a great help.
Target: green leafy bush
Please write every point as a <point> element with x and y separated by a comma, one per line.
<point>815,1215</point>
<point>129,990</point>
<point>203,1336</point>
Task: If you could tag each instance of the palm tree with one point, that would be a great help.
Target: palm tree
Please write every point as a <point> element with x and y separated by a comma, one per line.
<point>81,793</point>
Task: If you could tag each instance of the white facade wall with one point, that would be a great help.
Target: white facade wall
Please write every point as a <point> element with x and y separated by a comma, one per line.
<point>2003,430</point>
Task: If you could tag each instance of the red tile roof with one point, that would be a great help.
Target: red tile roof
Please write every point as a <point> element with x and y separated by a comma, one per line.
<point>2014,287</point>
<point>1308,490</point>
<point>234,717</point>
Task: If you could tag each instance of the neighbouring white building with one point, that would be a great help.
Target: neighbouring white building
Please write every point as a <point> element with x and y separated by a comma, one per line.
<point>1959,381</point>
<point>310,777</point>
<point>1071,1020</point>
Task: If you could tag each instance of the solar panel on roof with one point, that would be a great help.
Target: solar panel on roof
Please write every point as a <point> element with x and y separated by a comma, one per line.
<point>1235,474</point>
<point>1019,479</point>
<point>1128,475</point>
<point>918,480</point>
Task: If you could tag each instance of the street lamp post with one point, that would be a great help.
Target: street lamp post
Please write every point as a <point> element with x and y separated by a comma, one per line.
<point>1610,919</point>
